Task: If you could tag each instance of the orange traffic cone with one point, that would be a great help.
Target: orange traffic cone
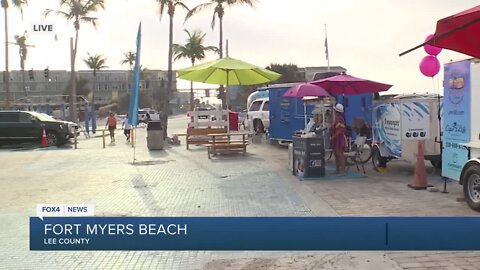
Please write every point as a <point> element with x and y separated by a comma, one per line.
<point>420,177</point>
<point>44,141</point>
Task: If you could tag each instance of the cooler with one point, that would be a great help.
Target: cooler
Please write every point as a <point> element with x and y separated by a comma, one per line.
<point>233,120</point>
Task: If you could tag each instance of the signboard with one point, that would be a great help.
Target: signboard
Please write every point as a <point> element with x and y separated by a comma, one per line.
<point>415,121</point>
<point>456,118</point>
<point>454,156</point>
<point>386,127</point>
<point>457,101</point>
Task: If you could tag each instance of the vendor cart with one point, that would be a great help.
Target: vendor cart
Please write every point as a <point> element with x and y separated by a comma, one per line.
<point>399,122</point>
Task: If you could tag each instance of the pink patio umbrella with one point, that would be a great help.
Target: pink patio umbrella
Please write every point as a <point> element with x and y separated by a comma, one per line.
<point>306,89</point>
<point>302,90</point>
<point>344,84</point>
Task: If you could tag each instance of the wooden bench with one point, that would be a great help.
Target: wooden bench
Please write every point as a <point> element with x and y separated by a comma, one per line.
<point>199,136</point>
<point>222,143</point>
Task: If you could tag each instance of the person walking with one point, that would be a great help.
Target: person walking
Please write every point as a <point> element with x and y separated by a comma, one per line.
<point>126,128</point>
<point>338,139</point>
<point>112,125</point>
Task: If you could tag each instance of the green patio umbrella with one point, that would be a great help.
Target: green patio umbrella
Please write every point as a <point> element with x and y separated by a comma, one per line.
<point>228,71</point>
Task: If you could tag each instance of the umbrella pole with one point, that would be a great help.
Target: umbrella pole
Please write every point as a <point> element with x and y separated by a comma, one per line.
<point>305,112</point>
<point>227,94</point>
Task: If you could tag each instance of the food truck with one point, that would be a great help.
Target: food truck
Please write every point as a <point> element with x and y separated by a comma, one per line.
<point>461,131</point>
<point>399,122</point>
<point>287,114</point>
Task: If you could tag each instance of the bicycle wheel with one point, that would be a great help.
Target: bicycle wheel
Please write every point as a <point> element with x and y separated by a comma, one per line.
<point>328,154</point>
<point>364,153</point>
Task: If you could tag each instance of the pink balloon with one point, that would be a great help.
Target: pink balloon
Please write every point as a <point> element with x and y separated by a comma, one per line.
<point>429,66</point>
<point>431,50</point>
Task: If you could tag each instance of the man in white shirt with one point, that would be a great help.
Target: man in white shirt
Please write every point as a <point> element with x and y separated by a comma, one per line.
<point>126,128</point>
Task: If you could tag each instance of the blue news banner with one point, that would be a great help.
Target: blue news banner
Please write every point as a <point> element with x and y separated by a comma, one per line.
<point>259,233</point>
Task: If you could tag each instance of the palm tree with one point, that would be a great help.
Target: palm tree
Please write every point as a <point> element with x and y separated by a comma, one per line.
<point>219,11</point>
<point>21,42</point>
<point>78,11</point>
<point>193,50</point>
<point>170,5</point>
<point>95,62</point>
<point>5,5</point>
<point>129,58</point>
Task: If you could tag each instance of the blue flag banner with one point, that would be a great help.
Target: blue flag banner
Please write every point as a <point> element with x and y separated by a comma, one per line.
<point>133,110</point>
<point>249,233</point>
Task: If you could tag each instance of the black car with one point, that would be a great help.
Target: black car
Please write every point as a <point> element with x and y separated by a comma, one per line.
<point>23,126</point>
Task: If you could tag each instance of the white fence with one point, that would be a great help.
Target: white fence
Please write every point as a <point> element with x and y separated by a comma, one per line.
<point>199,119</point>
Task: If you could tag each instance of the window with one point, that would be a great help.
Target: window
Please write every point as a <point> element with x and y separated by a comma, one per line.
<point>8,117</point>
<point>266,106</point>
<point>256,106</point>
<point>25,118</point>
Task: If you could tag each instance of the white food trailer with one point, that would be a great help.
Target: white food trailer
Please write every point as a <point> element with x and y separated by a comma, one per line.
<point>399,122</point>
<point>461,131</point>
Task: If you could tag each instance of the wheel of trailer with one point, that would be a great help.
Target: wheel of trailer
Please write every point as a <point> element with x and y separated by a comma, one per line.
<point>377,159</point>
<point>258,126</point>
<point>436,163</point>
<point>471,186</point>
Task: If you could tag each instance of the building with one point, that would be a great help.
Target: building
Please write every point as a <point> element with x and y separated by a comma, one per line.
<point>317,73</point>
<point>108,84</point>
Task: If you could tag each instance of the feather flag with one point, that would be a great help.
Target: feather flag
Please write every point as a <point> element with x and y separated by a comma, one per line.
<point>133,110</point>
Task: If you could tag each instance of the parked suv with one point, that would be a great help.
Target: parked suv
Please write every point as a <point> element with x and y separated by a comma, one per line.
<point>23,126</point>
<point>258,115</point>
<point>142,115</point>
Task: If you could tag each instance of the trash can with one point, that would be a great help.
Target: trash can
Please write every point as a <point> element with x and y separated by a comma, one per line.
<point>233,120</point>
<point>155,138</point>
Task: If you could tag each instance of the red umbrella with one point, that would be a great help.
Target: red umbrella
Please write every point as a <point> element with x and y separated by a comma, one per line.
<point>305,90</point>
<point>344,84</point>
<point>459,32</point>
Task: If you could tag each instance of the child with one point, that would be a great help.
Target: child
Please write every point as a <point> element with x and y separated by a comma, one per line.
<point>112,125</point>
<point>126,128</point>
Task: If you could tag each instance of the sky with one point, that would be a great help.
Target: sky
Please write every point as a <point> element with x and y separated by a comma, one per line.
<point>364,36</point>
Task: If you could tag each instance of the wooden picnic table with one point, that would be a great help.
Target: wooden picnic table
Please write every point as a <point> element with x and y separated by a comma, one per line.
<point>222,143</point>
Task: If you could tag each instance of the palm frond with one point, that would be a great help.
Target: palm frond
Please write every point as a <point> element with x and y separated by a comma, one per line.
<point>19,4</point>
<point>93,6</point>
<point>188,33</point>
<point>212,24</point>
<point>251,3</point>
<point>91,20</point>
<point>181,4</point>
<point>197,9</point>
<point>162,4</point>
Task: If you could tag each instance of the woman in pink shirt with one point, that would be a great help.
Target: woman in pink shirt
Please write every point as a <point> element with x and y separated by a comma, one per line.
<point>112,125</point>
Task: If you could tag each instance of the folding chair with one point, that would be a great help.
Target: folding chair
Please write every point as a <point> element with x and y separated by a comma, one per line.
<point>354,154</point>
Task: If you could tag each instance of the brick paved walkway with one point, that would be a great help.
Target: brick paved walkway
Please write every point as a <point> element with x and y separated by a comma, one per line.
<point>186,183</point>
